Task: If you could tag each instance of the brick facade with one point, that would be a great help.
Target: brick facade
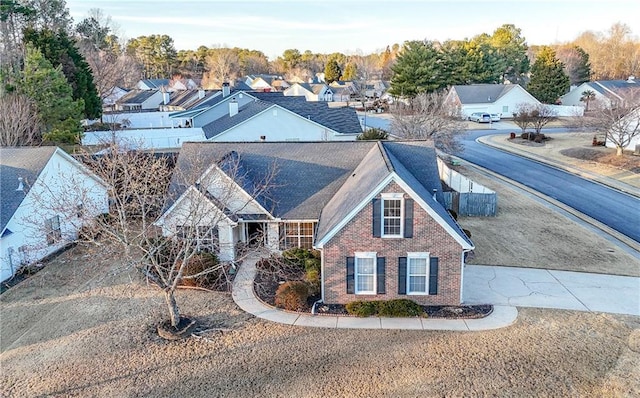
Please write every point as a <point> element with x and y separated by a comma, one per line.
<point>357,236</point>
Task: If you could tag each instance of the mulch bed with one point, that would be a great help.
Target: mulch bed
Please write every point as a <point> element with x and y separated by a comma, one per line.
<point>605,156</point>
<point>265,289</point>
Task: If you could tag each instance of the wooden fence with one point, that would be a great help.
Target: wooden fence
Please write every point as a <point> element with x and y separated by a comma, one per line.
<point>471,203</point>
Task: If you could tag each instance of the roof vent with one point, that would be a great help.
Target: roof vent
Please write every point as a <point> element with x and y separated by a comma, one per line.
<point>434,193</point>
<point>20,185</point>
<point>631,79</point>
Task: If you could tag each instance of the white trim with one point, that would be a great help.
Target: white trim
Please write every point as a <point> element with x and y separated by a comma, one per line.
<point>392,196</point>
<point>365,255</point>
<point>422,256</point>
<point>355,211</point>
<point>160,221</point>
<point>251,198</point>
<point>394,177</point>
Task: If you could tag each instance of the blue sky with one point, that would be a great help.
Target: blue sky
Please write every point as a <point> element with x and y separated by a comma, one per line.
<point>351,26</point>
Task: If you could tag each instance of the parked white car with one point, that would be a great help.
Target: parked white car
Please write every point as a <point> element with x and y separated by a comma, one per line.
<point>480,117</point>
<point>495,117</point>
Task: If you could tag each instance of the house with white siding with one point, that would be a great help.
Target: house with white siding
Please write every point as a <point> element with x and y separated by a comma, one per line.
<point>47,196</point>
<point>502,99</point>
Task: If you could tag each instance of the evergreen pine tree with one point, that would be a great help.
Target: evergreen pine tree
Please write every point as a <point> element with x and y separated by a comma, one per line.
<point>548,79</point>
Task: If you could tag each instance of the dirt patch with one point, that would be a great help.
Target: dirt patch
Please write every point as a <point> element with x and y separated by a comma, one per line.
<point>604,156</point>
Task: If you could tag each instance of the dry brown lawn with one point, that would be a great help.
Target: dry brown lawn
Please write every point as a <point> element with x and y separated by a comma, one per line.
<point>84,326</point>
<point>96,339</point>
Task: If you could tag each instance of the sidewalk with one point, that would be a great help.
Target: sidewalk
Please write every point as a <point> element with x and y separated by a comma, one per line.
<point>243,295</point>
<point>631,186</point>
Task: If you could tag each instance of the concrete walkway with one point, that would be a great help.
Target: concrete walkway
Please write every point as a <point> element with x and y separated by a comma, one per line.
<point>541,288</point>
<point>243,295</point>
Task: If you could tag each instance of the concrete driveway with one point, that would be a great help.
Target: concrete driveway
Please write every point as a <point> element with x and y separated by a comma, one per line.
<point>528,287</point>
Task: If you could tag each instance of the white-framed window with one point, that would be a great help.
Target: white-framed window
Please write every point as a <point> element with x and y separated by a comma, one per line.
<point>417,273</point>
<point>392,215</point>
<point>298,234</point>
<point>505,109</point>
<point>204,236</point>
<point>365,272</point>
<point>52,228</point>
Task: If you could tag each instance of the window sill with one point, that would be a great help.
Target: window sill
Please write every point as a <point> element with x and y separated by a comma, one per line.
<point>417,294</point>
<point>392,236</point>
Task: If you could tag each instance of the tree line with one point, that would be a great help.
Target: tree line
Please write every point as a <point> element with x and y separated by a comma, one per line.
<point>42,49</point>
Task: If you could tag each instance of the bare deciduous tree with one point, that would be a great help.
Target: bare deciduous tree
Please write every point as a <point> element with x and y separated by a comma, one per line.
<point>222,66</point>
<point>618,120</point>
<point>166,249</point>
<point>19,124</point>
<point>536,116</point>
<point>429,116</point>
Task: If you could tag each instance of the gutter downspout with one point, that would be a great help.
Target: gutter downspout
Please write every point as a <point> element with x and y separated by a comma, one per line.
<point>313,307</point>
<point>462,274</point>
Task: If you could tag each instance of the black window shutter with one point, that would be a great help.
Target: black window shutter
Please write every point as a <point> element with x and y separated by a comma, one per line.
<point>408,218</point>
<point>380,275</point>
<point>377,218</point>
<point>351,277</point>
<point>433,275</point>
<point>402,275</point>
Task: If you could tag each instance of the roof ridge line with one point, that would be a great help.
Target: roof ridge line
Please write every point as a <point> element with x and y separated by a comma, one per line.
<point>385,156</point>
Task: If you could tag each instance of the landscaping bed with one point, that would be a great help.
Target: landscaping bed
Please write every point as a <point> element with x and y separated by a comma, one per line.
<point>275,272</point>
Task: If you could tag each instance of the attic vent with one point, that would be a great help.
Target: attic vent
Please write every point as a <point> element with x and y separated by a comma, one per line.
<point>20,184</point>
<point>489,99</point>
<point>434,193</point>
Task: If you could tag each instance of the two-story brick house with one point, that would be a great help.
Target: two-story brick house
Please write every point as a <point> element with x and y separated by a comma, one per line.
<point>373,209</point>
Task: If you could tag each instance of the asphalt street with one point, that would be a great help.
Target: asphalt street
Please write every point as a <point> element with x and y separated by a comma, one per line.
<point>613,208</point>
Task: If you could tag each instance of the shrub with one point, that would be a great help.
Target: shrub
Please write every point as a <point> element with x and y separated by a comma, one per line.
<point>292,296</point>
<point>390,308</point>
<point>538,138</point>
<point>312,264</point>
<point>267,264</point>
<point>524,136</point>
<point>399,308</point>
<point>197,264</point>
<point>362,308</point>
<point>467,232</point>
<point>373,134</point>
<point>312,277</point>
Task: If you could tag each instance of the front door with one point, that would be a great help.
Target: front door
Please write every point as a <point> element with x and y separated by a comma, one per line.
<point>256,235</point>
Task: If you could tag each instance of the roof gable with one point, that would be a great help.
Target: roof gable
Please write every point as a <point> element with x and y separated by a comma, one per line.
<point>24,162</point>
<point>482,93</point>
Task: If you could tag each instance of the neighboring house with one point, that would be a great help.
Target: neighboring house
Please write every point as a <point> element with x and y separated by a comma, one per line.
<point>179,83</point>
<point>608,92</point>
<point>266,83</point>
<point>114,94</point>
<point>343,91</point>
<point>152,84</point>
<point>186,99</point>
<point>263,116</point>
<point>46,197</point>
<point>373,209</point>
<point>376,88</point>
<point>312,92</point>
<point>631,124</point>
<point>137,100</point>
<point>502,99</point>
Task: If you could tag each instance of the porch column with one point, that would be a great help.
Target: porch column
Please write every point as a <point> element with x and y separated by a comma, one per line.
<point>226,242</point>
<point>273,236</point>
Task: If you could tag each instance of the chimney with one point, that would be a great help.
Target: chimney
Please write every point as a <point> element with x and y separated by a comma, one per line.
<point>226,90</point>
<point>200,93</point>
<point>233,107</point>
<point>20,185</point>
<point>166,97</point>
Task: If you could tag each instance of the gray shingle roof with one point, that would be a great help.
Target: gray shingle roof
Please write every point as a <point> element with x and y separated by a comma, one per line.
<point>319,180</point>
<point>342,120</point>
<point>482,93</point>
<point>245,112</point>
<point>25,162</point>
<point>308,173</point>
<point>136,96</point>
<point>618,87</point>
<point>155,83</point>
